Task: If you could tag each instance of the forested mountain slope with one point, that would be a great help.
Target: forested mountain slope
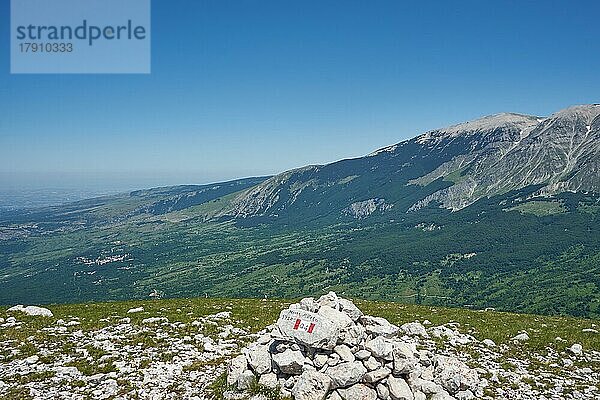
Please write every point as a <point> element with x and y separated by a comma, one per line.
<point>499,212</point>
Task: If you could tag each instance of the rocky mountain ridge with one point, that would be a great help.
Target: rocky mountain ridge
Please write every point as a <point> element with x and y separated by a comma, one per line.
<point>477,159</point>
<point>559,153</point>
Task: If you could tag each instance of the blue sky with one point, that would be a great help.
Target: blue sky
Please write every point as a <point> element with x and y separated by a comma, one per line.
<point>242,88</point>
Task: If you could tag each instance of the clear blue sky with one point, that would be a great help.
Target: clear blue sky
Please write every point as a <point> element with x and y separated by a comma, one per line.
<point>242,88</point>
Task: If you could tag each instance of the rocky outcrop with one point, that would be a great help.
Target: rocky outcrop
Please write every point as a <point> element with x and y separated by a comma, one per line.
<point>31,310</point>
<point>558,153</point>
<point>326,349</point>
<point>362,209</point>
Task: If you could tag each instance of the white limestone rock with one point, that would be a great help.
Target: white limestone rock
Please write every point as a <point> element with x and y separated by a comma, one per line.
<point>419,395</point>
<point>259,358</point>
<point>371,363</point>
<point>308,328</point>
<point>415,329</point>
<point>344,352</point>
<point>465,395</point>
<point>330,300</point>
<point>383,392</point>
<point>349,308</point>
<point>320,360</point>
<point>442,396</point>
<point>353,334</point>
<point>309,304</point>
<point>245,380</point>
<point>268,380</point>
<point>404,356</point>
<point>399,389</point>
<point>346,374</point>
<point>334,359</point>
<point>358,392</point>
<point>290,361</point>
<point>154,320</point>
<point>334,396</point>
<point>259,396</point>
<point>377,375</point>
<point>380,347</point>
<point>425,386</point>
<point>576,349</point>
<point>236,367</point>
<point>311,385</point>
<point>34,311</point>
<point>442,332</point>
<point>378,326</point>
<point>454,375</point>
<point>521,337</point>
<point>342,320</point>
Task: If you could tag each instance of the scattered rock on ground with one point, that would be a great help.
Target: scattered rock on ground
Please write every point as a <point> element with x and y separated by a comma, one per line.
<point>327,349</point>
<point>31,310</point>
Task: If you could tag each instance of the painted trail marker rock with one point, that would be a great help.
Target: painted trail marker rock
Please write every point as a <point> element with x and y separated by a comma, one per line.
<point>308,328</point>
<point>326,349</point>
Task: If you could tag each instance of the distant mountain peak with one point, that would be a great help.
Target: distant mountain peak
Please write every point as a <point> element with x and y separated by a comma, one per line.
<point>483,125</point>
<point>586,112</point>
<point>491,122</point>
<point>488,156</point>
<point>487,124</point>
<point>559,153</point>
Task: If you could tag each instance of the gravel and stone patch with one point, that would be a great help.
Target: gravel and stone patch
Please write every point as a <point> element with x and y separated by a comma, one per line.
<point>321,348</point>
<point>326,349</point>
<point>153,359</point>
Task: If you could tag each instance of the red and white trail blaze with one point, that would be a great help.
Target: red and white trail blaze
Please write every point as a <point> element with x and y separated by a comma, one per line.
<point>304,326</point>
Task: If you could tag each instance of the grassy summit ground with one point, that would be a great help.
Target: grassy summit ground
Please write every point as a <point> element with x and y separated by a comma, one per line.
<point>181,337</point>
<point>254,314</point>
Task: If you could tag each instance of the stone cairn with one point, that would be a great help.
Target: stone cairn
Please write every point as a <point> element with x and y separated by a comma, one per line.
<point>327,349</point>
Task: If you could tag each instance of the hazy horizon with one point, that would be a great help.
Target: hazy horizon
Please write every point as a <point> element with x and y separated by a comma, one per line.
<point>96,182</point>
<point>258,89</point>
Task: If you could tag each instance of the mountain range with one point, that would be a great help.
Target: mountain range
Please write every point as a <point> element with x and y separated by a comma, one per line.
<point>497,212</point>
<point>486,157</point>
